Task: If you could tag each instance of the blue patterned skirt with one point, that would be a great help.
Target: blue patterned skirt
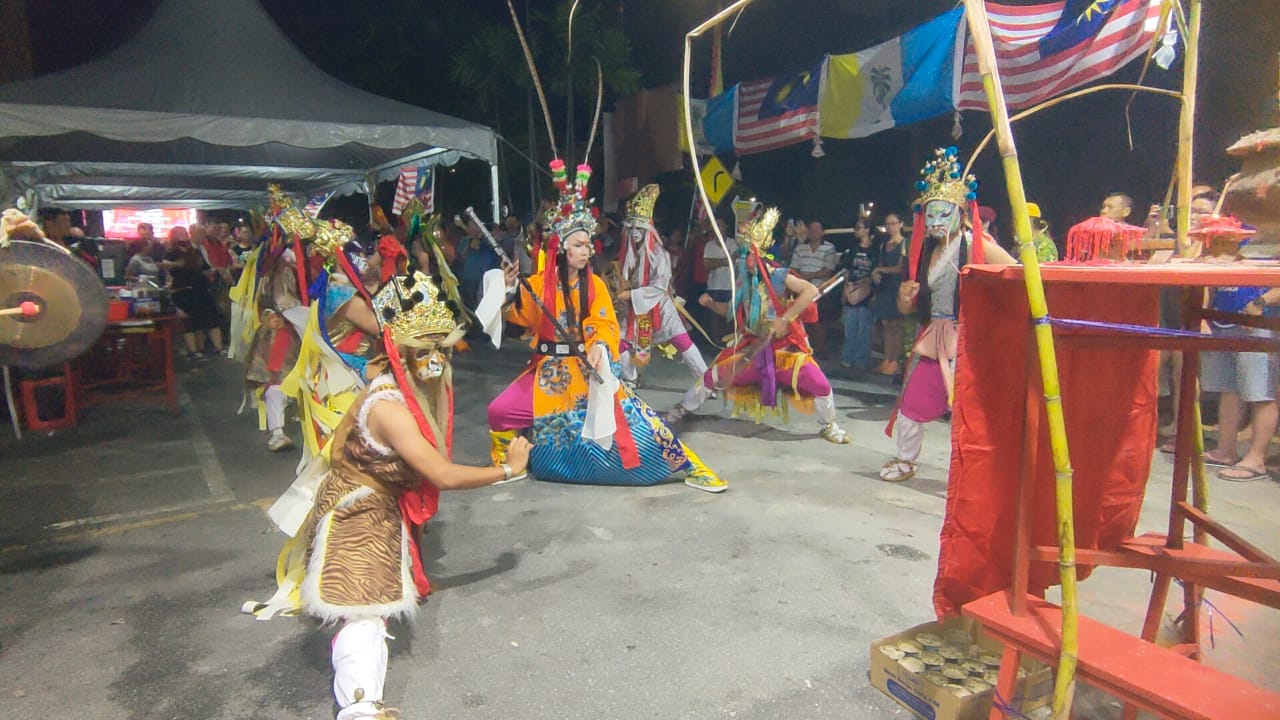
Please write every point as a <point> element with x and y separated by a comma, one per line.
<point>561,454</point>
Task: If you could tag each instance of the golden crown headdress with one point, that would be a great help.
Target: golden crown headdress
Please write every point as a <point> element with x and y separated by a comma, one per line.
<point>640,207</point>
<point>758,232</point>
<point>942,178</point>
<point>412,307</point>
<point>288,216</point>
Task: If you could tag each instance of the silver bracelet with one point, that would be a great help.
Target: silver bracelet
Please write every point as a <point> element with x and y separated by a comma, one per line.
<point>506,471</point>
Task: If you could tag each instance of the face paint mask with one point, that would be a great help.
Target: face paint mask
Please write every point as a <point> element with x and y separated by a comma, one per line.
<point>428,365</point>
<point>941,219</point>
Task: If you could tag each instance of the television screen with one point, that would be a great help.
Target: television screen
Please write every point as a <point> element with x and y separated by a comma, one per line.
<point>122,223</point>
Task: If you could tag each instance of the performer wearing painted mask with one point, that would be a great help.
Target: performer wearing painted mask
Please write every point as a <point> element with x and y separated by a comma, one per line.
<point>353,560</point>
<point>593,432</point>
<point>649,316</point>
<point>942,242</point>
<point>773,354</point>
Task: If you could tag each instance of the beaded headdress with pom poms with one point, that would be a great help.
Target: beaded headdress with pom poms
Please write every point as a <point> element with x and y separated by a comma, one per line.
<point>942,178</point>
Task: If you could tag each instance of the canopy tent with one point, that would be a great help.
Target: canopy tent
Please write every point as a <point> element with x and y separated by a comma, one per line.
<point>208,103</point>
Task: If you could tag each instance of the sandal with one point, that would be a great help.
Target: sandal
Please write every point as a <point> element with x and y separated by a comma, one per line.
<point>1242,473</point>
<point>1212,460</point>
<point>898,471</point>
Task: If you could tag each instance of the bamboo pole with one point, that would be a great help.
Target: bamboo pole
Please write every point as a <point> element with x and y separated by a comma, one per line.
<point>980,30</point>
<point>1186,125</point>
<point>713,21</point>
<point>1061,99</point>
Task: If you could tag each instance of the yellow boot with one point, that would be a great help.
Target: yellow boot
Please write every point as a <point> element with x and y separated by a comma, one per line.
<point>700,476</point>
<point>500,440</point>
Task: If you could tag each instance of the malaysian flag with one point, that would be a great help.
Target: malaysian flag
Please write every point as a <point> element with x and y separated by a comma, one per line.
<point>316,203</point>
<point>1045,50</point>
<point>776,112</point>
<point>414,182</point>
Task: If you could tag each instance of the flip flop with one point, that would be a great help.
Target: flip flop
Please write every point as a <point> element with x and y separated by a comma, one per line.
<point>1211,460</point>
<point>1244,473</point>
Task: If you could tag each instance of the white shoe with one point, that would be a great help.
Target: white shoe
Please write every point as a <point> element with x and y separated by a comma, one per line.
<point>833,433</point>
<point>278,441</point>
<point>675,414</point>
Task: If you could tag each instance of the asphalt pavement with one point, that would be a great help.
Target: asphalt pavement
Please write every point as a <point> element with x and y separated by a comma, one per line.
<point>129,543</point>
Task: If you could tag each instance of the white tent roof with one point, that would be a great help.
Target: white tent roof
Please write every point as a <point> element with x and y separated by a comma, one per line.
<point>208,103</point>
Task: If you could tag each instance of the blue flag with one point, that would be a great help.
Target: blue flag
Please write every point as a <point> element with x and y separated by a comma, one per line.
<point>717,125</point>
<point>1080,21</point>
<point>792,92</point>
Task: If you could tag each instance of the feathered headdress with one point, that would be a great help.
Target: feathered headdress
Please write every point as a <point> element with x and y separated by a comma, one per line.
<point>573,211</point>
<point>942,178</point>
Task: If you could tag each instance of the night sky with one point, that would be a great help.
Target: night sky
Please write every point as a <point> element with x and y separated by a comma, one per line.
<point>1072,155</point>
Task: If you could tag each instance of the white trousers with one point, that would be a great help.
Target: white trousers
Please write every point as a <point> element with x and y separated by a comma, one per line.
<point>690,356</point>
<point>359,667</point>
<point>275,401</point>
<point>825,406</point>
<point>909,435</point>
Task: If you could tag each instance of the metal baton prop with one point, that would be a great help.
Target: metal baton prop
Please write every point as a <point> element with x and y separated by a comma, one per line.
<point>561,333</point>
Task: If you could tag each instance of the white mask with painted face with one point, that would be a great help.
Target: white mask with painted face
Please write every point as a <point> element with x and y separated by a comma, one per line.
<point>941,219</point>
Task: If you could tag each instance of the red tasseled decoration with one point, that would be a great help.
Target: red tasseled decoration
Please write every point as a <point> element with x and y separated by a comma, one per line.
<point>1096,239</point>
<point>1216,226</point>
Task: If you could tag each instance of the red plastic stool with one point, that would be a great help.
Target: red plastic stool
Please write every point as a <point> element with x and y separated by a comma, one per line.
<point>31,409</point>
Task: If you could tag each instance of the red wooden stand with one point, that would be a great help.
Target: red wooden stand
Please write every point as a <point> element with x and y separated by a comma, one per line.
<point>1171,682</point>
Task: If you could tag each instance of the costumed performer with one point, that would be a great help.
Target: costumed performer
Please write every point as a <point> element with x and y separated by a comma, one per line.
<point>649,316</point>
<point>273,354</point>
<point>599,433</point>
<point>772,353</point>
<point>338,332</point>
<point>942,242</point>
<point>354,561</point>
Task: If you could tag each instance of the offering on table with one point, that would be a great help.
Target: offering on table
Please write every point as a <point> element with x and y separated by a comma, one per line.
<point>929,641</point>
<point>951,652</point>
<point>932,659</point>
<point>892,651</point>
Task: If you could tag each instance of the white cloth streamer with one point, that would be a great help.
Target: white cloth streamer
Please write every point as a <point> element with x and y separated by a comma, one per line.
<point>600,423</point>
<point>493,295</point>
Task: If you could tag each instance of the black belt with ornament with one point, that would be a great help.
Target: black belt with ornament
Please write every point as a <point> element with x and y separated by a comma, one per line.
<point>553,349</point>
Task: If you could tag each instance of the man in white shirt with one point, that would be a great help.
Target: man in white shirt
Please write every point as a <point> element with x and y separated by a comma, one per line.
<point>815,260</point>
<point>718,287</point>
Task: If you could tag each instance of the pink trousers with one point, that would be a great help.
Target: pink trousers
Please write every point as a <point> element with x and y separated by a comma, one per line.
<point>513,408</point>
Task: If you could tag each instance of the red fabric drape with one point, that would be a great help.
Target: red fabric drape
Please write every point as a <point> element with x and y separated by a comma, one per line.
<point>1109,401</point>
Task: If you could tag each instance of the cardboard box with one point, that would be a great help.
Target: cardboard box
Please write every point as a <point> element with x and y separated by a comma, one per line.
<point>930,701</point>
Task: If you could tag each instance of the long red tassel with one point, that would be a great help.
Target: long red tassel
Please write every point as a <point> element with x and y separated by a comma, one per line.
<point>977,250</point>
<point>300,267</point>
<point>917,244</point>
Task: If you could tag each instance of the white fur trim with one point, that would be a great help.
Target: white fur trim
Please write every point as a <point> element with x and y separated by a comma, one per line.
<point>378,392</point>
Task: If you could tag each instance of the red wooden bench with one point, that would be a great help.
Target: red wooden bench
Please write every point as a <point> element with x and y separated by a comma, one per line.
<point>1148,676</point>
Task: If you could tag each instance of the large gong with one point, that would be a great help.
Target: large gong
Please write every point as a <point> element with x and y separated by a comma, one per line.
<point>70,301</point>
